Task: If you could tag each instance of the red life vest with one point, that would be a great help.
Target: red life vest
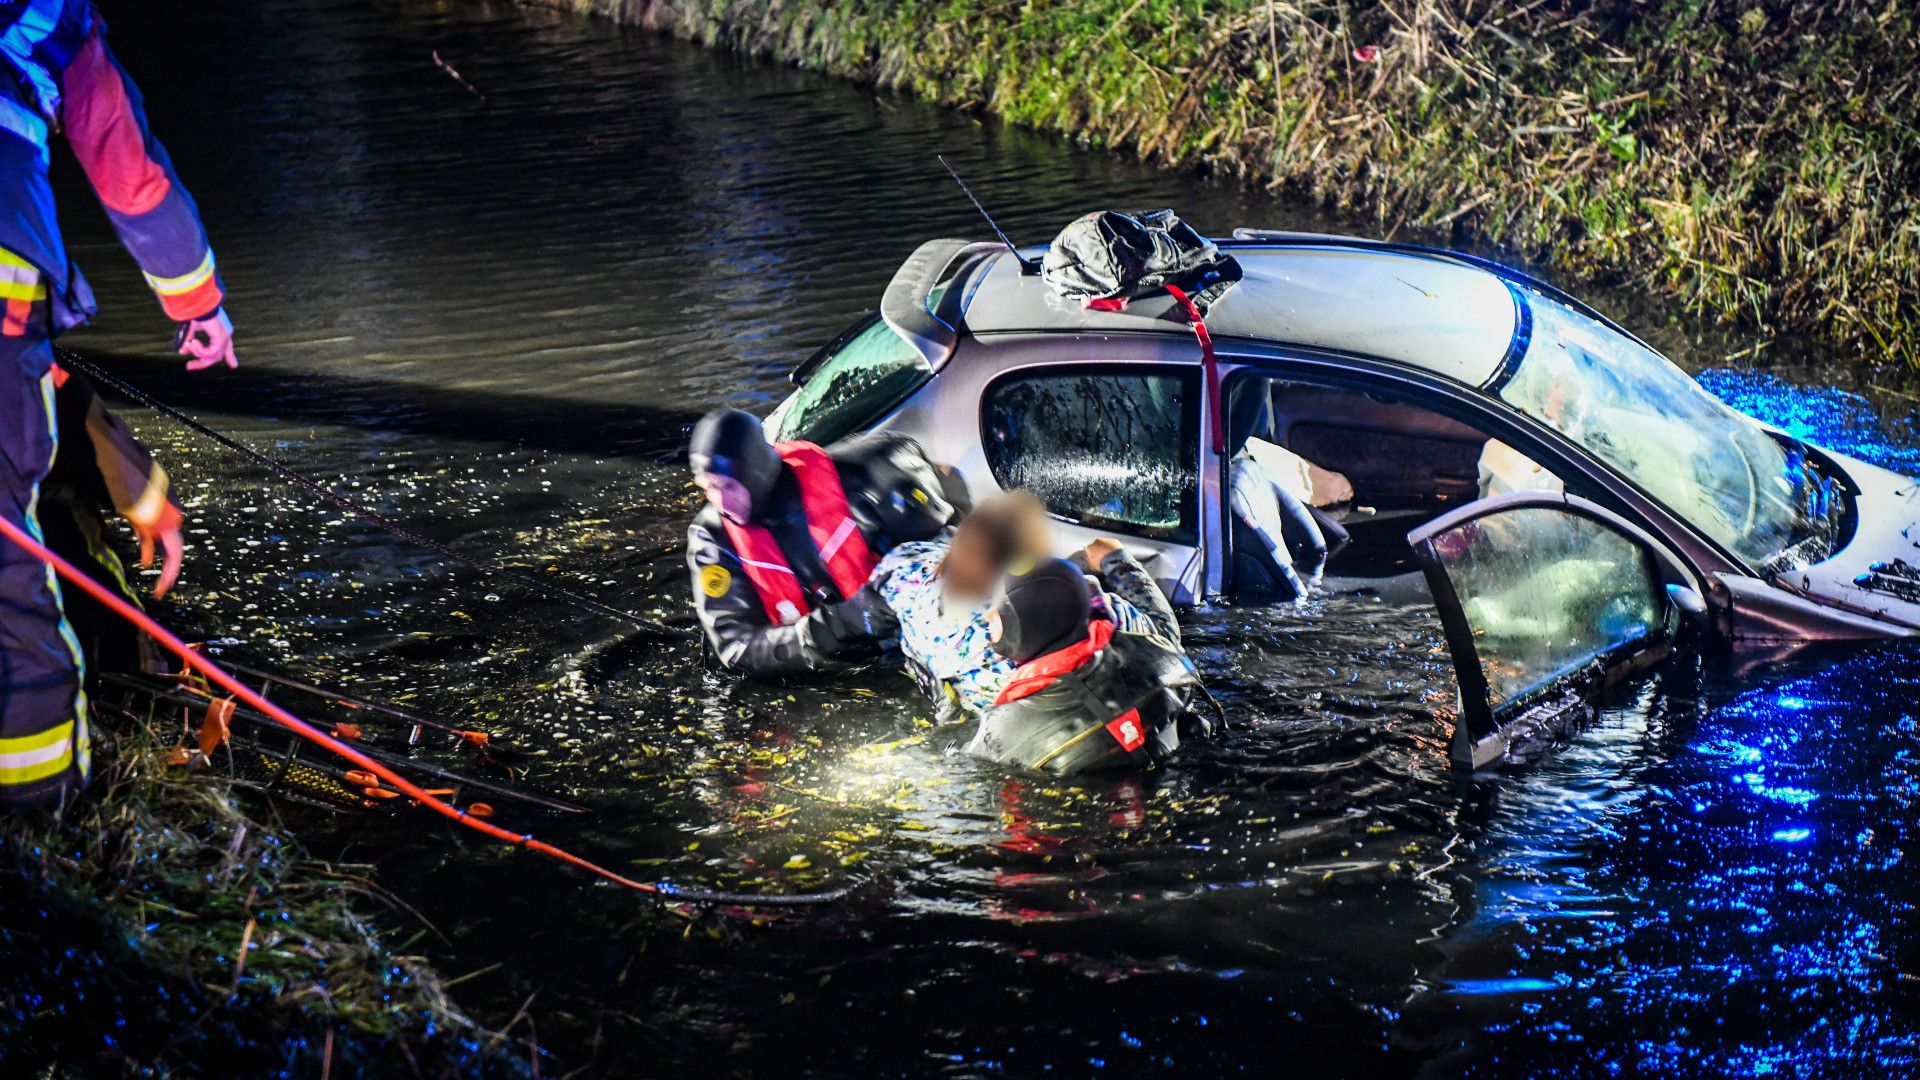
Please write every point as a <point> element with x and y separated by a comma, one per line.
<point>837,536</point>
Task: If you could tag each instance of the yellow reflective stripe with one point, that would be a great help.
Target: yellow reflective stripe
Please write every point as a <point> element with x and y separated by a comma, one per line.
<point>53,586</point>
<point>23,290</point>
<point>1068,745</point>
<point>185,283</point>
<point>35,757</point>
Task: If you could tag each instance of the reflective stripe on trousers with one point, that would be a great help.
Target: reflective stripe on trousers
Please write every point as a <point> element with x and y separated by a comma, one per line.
<point>44,744</point>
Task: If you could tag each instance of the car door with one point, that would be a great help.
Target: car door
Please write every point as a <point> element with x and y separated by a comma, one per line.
<point>1545,599</point>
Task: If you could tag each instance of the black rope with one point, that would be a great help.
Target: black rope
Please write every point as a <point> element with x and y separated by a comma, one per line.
<point>650,627</point>
<point>669,892</point>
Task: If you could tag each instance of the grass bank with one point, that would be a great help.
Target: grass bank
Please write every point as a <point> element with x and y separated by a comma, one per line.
<point>154,928</point>
<point>1757,160</point>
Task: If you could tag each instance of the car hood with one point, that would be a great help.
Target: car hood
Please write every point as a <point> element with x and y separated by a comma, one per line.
<point>1877,573</point>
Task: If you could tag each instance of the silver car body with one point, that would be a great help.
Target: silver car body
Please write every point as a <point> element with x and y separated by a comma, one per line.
<point>1431,326</point>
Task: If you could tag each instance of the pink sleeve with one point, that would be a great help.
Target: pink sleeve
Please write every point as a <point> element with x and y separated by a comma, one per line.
<point>105,123</point>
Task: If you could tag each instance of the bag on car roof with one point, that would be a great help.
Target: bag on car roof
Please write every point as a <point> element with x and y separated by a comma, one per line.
<point>1108,255</point>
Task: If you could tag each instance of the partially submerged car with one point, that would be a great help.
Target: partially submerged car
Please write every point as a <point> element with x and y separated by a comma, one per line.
<point>1411,380</point>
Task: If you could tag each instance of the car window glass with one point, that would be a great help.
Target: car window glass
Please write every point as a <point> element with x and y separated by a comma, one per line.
<point>1112,450</point>
<point>1546,592</point>
<point>872,371</point>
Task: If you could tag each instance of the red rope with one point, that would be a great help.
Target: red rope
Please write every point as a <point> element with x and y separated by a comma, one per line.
<point>300,727</point>
<point>1210,365</point>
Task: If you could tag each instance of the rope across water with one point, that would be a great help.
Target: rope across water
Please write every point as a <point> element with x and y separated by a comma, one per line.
<point>649,628</point>
<point>219,677</point>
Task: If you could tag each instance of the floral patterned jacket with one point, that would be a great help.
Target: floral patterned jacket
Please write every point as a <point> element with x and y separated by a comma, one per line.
<point>947,648</point>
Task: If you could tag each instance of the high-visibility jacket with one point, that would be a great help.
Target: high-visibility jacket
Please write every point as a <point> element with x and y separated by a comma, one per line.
<point>58,77</point>
<point>843,550</point>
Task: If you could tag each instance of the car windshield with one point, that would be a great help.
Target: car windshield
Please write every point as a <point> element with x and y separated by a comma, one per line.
<point>1759,497</point>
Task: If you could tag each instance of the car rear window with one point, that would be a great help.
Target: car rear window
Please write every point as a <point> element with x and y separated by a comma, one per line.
<point>867,372</point>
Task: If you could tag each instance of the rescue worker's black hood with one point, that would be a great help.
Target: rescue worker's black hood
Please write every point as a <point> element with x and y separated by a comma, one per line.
<point>1043,610</point>
<point>732,443</point>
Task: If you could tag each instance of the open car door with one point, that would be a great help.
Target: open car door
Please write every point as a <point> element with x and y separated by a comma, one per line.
<point>1545,599</point>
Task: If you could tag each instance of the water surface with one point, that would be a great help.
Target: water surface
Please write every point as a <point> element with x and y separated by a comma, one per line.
<point>495,320</point>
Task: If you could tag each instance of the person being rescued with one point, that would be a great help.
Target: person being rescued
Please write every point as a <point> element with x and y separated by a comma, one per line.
<point>941,591</point>
<point>781,554</point>
<point>1087,693</point>
<point>1282,538</point>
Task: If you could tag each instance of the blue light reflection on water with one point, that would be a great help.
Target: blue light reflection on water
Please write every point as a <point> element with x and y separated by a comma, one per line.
<point>1745,909</point>
<point>1833,418</point>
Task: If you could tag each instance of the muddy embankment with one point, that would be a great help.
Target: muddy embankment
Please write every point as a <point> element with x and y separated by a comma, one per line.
<point>1757,162</point>
<point>157,927</point>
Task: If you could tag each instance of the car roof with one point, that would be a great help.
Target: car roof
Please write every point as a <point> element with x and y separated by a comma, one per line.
<point>1426,310</point>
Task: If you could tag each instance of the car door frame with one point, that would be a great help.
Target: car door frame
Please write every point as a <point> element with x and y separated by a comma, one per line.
<point>1470,406</point>
<point>946,416</point>
<point>1480,736</point>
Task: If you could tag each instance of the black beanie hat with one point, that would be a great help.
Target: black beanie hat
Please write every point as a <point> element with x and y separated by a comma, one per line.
<point>732,443</point>
<point>1043,610</point>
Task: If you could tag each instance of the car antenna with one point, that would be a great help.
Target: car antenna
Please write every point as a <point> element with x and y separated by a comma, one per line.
<point>1026,267</point>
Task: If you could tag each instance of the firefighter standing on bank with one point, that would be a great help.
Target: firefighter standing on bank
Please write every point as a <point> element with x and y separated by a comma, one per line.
<point>58,78</point>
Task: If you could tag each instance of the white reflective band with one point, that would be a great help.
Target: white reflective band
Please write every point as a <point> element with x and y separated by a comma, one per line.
<point>185,283</point>
<point>25,123</point>
<point>19,279</point>
<point>788,613</point>
<point>15,270</point>
<point>28,758</point>
<point>839,537</point>
<point>768,566</point>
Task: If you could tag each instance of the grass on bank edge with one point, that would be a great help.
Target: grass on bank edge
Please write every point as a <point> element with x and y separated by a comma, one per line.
<point>155,926</point>
<point>1757,160</point>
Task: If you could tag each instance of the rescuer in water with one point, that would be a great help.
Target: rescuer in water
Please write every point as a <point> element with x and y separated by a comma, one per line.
<point>1087,694</point>
<point>782,552</point>
<point>58,76</point>
<point>101,468</point>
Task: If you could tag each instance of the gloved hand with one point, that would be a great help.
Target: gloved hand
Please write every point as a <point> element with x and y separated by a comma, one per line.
<point>207,340</point>
<point>863,617</point>
<point>166,531</point>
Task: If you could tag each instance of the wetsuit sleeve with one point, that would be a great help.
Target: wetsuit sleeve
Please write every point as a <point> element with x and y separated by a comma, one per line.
<point>155,218</point>
<point>1152,615</point>
<point>953,486</point>
<point>135,484</point>
<point>736,623</point>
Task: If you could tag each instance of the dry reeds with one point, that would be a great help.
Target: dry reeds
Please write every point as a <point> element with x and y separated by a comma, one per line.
<point>154,927</point>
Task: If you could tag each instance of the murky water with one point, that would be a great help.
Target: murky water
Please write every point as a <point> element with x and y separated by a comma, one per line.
<point>496,320</point>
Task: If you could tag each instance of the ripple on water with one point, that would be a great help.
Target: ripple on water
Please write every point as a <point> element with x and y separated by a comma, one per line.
<point>495,325</point>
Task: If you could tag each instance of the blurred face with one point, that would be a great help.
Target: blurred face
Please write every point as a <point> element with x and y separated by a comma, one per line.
<point>995,628</point>
<point>727,495</point>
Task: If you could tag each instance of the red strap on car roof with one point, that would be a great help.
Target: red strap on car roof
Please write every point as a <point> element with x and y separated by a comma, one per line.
<point>1210,366</point>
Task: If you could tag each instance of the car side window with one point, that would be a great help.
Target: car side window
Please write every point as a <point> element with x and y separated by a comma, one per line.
<point>868,371</point>
<point>1111,449</point>
<point>1544,593</point>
